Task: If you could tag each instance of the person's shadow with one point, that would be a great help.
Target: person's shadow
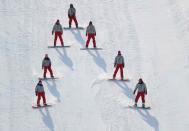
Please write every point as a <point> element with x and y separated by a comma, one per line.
<point>126,90</point>
<point>78,36</point>
<point>47,119</point>
<point>149,119</point>
<point>96,56</point>
<point>98,59</point>
<point>65,59</point>
<point>53,89</point>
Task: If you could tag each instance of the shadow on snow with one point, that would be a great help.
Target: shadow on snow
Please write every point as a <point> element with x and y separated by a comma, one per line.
<point>53,89</point>
<point>65,59</point>
<point>96,56</point>
<point>149,119</point>
<point>47,119</point>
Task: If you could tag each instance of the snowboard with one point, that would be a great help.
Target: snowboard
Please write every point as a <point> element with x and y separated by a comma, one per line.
<point>48,78</point>
<point>139,107</point>
<point>74,28</point>
<point>91,48</point>
<point>42,106</point>
<point>65,46</point>
<point>118,79</point>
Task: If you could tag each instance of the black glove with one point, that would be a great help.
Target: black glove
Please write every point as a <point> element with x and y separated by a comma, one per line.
<point>114,65</point>
<point>134,91</point>
<point>36,93</point>
<point>123,65</point>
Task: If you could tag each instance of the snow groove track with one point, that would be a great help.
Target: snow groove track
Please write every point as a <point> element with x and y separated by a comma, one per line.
<point>153,37</point>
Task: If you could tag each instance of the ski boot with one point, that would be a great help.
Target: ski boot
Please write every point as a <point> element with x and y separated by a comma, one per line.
<point>45,104</point>
<point>69,25</point>
<point>95,46</point>
<point>143,105</point>
<point>135,105</point>
<point>86,46</point>
<point>52,76</point>
<point>77,25</point>
<point>113,78</point>
<point>38,105</point>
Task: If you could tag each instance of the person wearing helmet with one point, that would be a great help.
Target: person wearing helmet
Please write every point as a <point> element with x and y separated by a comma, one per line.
<point>39,92</point>
<point>91,33</point>
<point>57,29</point>
<point>119,64</point>
<point>142,91</point>
<point>72,15</point>
<point>46,65</point>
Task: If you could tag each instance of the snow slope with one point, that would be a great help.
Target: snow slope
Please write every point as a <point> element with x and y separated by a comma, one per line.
<point>153,37</point>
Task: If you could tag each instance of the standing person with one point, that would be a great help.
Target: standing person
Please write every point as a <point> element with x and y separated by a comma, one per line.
<point>57,28</point>
<point>119,64</point>
<point>46,65</point>
<point>142,91</point>
<point>91,33</point>
<point>72,15</point>
<point>39,92</point>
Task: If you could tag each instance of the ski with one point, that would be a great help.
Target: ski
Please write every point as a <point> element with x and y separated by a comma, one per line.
<point>139,107</point>
<point>111,79</point>
<point>48,78</point>
<point>41,106</point>
<point>74,28</point>
<point>66,46</point>
<point>91,48</point>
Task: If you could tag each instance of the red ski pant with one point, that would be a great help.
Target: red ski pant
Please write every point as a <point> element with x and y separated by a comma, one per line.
<point>39,95</point>
<point>72,18</point>
<point>140,94</point>
<point>91,36</point>
<point>49,69</point>
<point>118,66</point>
<point>58,34</point>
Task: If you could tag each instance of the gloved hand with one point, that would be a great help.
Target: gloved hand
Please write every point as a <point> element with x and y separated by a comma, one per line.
<point>36,93</point>
<point>95,34</point>
<point>52,32</point>
<point>86,34</point>
<point>114,65</point>
<point>123,65</point>
<point>134,92</point>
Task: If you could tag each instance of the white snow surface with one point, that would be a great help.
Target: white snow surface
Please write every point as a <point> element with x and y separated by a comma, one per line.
<point>153,36</point>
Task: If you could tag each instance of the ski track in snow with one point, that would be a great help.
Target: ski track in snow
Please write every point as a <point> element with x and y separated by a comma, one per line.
<point>152,36</point>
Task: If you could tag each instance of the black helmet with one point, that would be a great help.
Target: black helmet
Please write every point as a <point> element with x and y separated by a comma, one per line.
<point>71,5</point>
<point>140,81</point>
<point>40,81</point>
<point>57,21</point>
<point>119,52</point>
<point>90,23</point>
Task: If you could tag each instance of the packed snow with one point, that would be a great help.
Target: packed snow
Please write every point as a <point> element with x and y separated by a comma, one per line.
<point>153,37</point>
